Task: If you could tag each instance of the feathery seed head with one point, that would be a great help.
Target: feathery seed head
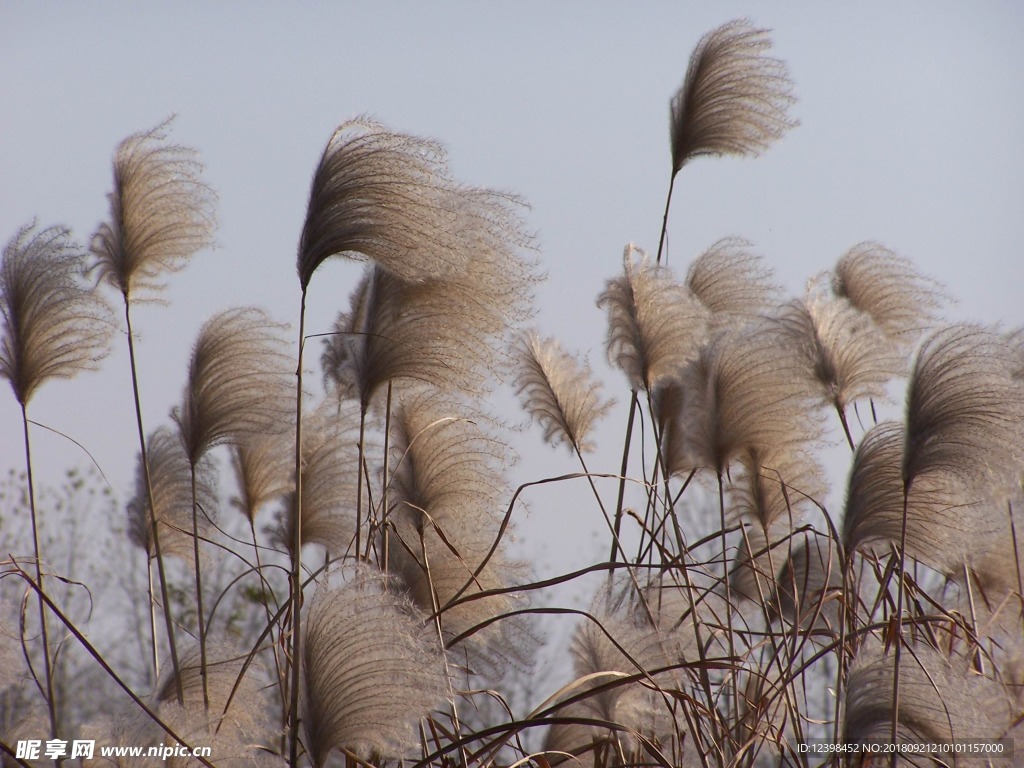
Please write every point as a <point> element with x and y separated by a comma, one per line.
<point>362,694</point>
<point>53,324</point>
<point>746,396</point>
<point>734,99</point>
<point>847,356</point>
<point>171,478</point>
<point>732,283</point>
<point>654,325</point>
<point>389,198</point>
<point>329,481</point>
<point>238,382</point>
<point>965,409</point>
<point>559,392</point>
<point>161,214</point>
<point>902,301</point>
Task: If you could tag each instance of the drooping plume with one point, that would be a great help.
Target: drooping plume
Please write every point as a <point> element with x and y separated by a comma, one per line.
<point>606,652</point>
<point>559,392</point>
<point>450,494</point>
<point>776,484</point>
<point>161,213</point>
<point>238,382</point>
<point>329,480</point>
<point>941,700</point>
<point>389,198</point>
<point>732,283</point>
<point>447,333</point>
<point>54,325</point>
<point>847,355</point>
<point>654,325</point>
<point>965,409</point>
<point>746,398</point>
<point>371,670</point>
<point>946,523</point>
<point>734,99</point>
<point>264,470</point>
<point>235,716</point>
<point>888,288</point>
<point>171,478</point>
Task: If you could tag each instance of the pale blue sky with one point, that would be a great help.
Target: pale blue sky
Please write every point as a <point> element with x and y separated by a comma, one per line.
<point>912,116</point>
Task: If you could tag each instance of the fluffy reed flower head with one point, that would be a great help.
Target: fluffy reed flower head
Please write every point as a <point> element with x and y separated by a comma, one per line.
<point>389,197</point>
<point>329,481</point>
<point>746,397</point>
<point>264,469</point>
<point>238,381</point>
<point>171,477</point>
<point>847,355</point>
<point>734,99</point>
<point>965,408</point>
<point>732,283</point>
<point>654,325</point>
<point>362,694</point>
<point>53,325</point>
<point>161,213</point>
<point>559,392</point>
<point>941,699</point>
<point>887,287</point>
<point>448,545</point>
<point>448,333</point>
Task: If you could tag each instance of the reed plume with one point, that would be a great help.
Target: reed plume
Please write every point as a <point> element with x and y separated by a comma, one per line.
<point>654,324</point>
<point>262,466</point>
<point>238,382</point>
<point>939,525</point>
<point>734,99</point>
<point>558,391</point>
<point>161,214</point>
<point>238,385</point>
<point>170,476</point>
<point>776,485</point>
<point>235,716</point>
<point>329,467</point>
<point>903,302</point>
<point>389,198</point>
<point>627,716</point>
<point>846,355</point>
<point>941,700</point>
<point>53,326</point>
<point>732,283</point>
<point>365,696</point>
<point>448,491</point>
<point>745,397</point>
<point>445,333</point>
<point>965,409</point>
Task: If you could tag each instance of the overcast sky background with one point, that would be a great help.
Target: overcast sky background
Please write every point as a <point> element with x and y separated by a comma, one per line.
<point>912,120</point>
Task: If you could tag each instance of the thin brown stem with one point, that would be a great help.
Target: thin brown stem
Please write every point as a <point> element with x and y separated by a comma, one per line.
<point>296,574</point>
<point>154,528</point>
<point>51,704</point>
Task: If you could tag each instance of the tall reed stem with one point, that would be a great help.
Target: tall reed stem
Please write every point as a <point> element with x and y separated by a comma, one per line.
<point>51,704</point>
<point>154,528</point>
<point>199,593</point>
<point>296,574</point>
